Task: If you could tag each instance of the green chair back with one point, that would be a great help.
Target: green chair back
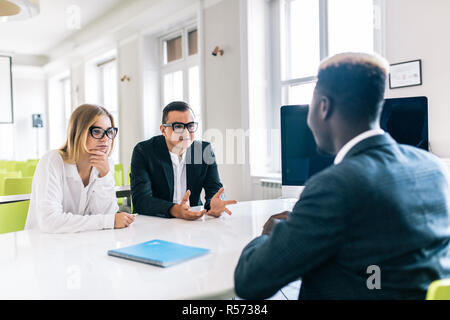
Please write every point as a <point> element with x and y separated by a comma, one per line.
<point>439,290</point>
<point>118,177</point>
<point>13,216</point>
<point>15,186</point>
<point>129,183</point>
<point>28,170</point>
<point>4,176</point>
<point>21,165</point>
<point>10,166</point>
<point>118,174</point>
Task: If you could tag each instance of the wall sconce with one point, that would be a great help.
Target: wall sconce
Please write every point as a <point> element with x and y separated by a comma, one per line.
<point>216,51</point>
<point>125,77</point>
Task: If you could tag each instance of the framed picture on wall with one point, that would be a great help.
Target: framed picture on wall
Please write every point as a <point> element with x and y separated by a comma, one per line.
<point>405,74</point>
<point>6,97</point>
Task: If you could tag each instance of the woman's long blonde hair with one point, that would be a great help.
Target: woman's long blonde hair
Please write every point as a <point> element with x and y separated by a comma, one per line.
<point>78,130</point>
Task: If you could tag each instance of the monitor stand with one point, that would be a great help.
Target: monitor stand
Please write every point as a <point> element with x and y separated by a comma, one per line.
<point>289,192</point>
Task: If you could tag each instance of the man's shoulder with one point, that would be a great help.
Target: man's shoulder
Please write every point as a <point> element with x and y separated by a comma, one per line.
<point>150,143</point>
<point>199,144</point>
<point>414,152</point>
<point>394,161</point>
<point>202,143</point>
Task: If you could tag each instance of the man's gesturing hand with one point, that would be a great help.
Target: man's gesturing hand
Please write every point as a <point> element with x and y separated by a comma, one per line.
<point>217,205</point>
<point>183,211</point>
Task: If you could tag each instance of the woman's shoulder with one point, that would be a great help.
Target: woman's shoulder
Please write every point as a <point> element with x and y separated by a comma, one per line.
<point>52,158</point>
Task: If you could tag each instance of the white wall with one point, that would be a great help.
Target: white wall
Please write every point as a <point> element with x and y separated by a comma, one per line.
<point>130,99</point>
<point>29,92</point>
<point>418,29</point>
<point>151,85</point>
<point>223,90</point>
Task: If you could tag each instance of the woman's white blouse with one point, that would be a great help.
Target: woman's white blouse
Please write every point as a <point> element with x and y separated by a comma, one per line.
<point>60,203</point>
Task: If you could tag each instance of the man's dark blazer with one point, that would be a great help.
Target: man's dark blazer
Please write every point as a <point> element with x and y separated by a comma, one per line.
<point>384,205</point>
<point>152,180</point>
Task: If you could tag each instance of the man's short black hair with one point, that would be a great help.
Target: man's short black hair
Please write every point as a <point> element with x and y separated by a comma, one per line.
<point>175,106</point>
<point>355,83</point>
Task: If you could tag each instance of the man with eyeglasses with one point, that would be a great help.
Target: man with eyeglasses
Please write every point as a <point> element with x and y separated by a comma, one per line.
<point>169,171</point>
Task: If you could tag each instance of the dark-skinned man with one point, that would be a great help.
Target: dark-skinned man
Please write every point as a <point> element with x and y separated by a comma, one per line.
<point>376,224</point>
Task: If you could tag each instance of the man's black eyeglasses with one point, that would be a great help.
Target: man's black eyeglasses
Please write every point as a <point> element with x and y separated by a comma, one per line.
<point>99,133</point>
<point>178,127</point>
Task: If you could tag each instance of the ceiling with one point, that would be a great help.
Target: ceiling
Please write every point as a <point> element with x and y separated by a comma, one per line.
<point>37,36</point>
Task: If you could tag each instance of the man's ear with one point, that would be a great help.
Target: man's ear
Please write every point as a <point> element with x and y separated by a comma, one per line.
<point>163,131</point>
<point>325,108</point>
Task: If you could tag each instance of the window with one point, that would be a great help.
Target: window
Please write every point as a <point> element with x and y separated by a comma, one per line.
<point>101,87</point>
<point>193,42</point>
<point>180,71</point>
<point>302,33</point>
<point>109,97</point>
<point>173,49</point>
<point>6,103</point>
<point>59,108</point>
<point>332,27</point>
<point>67,99</point>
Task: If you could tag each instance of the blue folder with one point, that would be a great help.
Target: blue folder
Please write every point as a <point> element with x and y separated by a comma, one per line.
<point>158,252</point>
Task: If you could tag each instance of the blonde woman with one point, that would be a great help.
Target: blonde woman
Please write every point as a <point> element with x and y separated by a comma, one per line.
<point>73,187</point>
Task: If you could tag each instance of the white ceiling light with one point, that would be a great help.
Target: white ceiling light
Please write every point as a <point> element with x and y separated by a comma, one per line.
<point>13,10</point>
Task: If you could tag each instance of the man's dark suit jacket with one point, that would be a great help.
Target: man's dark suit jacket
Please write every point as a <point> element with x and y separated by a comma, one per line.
<point>385,204</point>
<point>152,180</point>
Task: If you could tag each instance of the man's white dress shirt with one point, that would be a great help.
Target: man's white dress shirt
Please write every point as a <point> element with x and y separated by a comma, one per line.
<point>179,177</point>
<point>353,142</point>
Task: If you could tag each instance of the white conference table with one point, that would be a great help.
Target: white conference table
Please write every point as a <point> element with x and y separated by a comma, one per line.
<point>35,265</point>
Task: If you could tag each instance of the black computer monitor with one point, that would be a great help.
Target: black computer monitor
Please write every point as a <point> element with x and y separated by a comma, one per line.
<point>300,159</point>
<point>405,119</point>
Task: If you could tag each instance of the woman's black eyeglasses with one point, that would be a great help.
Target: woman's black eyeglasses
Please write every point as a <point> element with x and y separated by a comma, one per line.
<point>99,133</point>
<point>178,127</point>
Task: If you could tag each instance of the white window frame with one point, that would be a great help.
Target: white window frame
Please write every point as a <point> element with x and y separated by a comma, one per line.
<point>280,87</point>
<point>183,64</point>
<point>67,113</point>
<point>94,88</point>
<point>101,96</point>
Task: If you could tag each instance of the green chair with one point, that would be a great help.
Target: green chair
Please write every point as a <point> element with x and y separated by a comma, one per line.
<point>119,180</point>
<point>15,186</point>
<point>28,170</point>
<point>13,216</point>
<point>129,183</point>
<point>118,174</point>
<point>20,166</point>
<point>10,166</point>
<point>439,290</point>
<point>6,175</point>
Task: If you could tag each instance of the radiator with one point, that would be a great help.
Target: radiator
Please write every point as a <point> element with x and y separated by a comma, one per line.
<point>271,189</point>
